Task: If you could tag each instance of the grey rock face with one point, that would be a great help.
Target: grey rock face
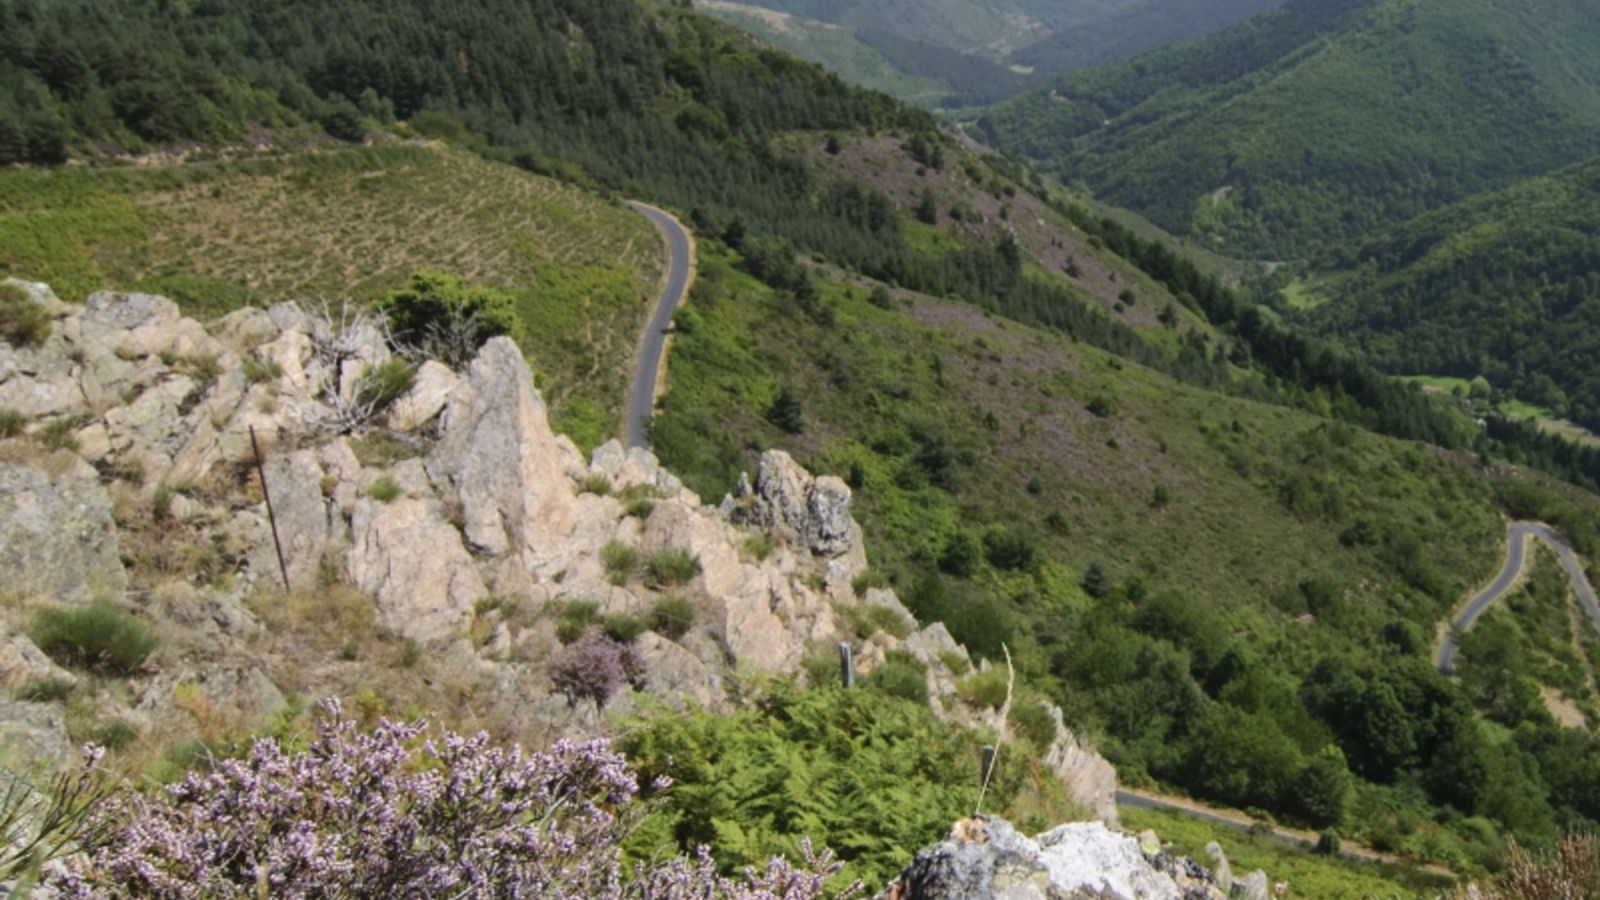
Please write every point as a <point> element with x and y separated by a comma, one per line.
<point>296,485</point>
<point>57,538</point>
<point>499,461</point>
<point>21,664</point>
<point>114,309</point>
<point>413,562</point>
<point>787,502</point>
<point>986,858</point>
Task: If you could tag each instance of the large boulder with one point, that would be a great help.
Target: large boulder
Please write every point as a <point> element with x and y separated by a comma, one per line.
<point>499,461</point>
<point>57,538</point>
<point>114,309</point>
<point>413,562</point>
<point>787,502</point>
<point>985,858</point>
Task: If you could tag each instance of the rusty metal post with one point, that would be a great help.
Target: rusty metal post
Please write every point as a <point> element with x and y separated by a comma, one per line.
<point>283,567</point>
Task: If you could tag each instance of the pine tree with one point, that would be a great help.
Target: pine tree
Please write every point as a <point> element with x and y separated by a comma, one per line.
<point>787,412</point>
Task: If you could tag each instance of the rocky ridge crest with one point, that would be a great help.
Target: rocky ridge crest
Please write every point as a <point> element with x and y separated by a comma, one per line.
<point>457,511</point>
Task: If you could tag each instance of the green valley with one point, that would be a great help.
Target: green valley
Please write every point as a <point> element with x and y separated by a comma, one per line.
<point>1503,286</point>
<point>1306,128</point>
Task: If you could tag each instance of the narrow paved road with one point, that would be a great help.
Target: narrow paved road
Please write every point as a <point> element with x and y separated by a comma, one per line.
<point>1515,561</point>
<point>642,398</point>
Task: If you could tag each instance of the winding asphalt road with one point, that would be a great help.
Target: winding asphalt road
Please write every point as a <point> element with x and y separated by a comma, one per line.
<point>1518,533</point>
<point>642,398</point>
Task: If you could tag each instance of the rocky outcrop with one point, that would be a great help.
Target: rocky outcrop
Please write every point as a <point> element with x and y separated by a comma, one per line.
<point>499,461</point>
<point>789,503</point>
<point>985,858</point>
<point>57,538</point>
<point>414,564</point>
<point>462,522</point>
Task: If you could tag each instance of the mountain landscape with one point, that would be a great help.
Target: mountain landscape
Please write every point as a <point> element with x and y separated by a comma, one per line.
<point>1319,122</point>
<point>965,52</point>
<point>1185,438</point>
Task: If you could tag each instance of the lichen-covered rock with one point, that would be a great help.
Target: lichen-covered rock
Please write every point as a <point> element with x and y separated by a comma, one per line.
<point>787,502</point>
<point>23,664</point>
<point>413,562</point>
<point>498,460</point>
<point>115,309</point>
<point>295,483</point>
<point>985,858</point>
<point>57,538</point>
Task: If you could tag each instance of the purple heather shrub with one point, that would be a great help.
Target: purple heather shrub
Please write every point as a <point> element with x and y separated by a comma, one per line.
<point>594,667</point>
<point>388,814</point>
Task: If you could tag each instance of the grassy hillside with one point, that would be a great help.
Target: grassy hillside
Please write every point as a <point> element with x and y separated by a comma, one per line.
<point>1317,122</point>
<point>1139,544</point>
<point>1503,286</point>
<point>217,235</point>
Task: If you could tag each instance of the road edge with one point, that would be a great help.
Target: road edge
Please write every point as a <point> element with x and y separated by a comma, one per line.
<point>660,387</point>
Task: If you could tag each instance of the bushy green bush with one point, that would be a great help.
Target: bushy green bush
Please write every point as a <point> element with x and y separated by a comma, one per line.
<point>983,688</point>
<point>620,560</point>
<point>12,423</point>
<point>22,321</point>
<point>448,318</point>
<point>672,617</point>
<point>99,636</point>
<point>671,568</point>
<point>900,675</point>
<point>383,384</point>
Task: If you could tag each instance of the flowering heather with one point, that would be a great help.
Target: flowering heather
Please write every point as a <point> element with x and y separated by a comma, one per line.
<point>389,815</point>
<point>594,667</point>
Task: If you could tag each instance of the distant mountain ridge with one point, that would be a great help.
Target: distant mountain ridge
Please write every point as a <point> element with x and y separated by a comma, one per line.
<point>1319,121</point>
<point>981,50</point>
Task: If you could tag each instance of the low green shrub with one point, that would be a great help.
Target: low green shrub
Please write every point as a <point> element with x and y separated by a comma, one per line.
<point>983,689</point>
<point>625,628</point>
<point>113,735</point>
<point>621,561</point>
<point>865,620</point>
<point>758,547</point>
<point>98,637</point>
<point>672,617</point>
<point>1033,723</point>
<point>22,321</point>
<point>595,483</point>
<point>259,368</point>
<point>384,490</point>
<point>867,580</point>
<point>12,423</point>
<point>900,675</point>
<point>955,662</point>
<point>44,690</point>
<point>574,618</point>
<point>382,385</point>
<point>671,568</point>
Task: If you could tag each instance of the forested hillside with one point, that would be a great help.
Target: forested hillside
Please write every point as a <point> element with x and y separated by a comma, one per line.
<point>1505,285</point>
<point>1236,597</point>
<point>1315,123</point>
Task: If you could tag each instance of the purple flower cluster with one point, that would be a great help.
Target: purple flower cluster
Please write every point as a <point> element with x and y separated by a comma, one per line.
<point>594,667</point>
<point>387,814</point>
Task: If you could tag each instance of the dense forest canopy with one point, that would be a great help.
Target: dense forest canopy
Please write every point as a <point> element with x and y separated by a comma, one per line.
<point>1505,286</point>
<point>1311,125</point>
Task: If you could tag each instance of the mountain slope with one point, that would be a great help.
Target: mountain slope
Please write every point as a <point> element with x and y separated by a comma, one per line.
<point>1505,285</point>
<point>1319,121</point>
<point>983,50</point>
